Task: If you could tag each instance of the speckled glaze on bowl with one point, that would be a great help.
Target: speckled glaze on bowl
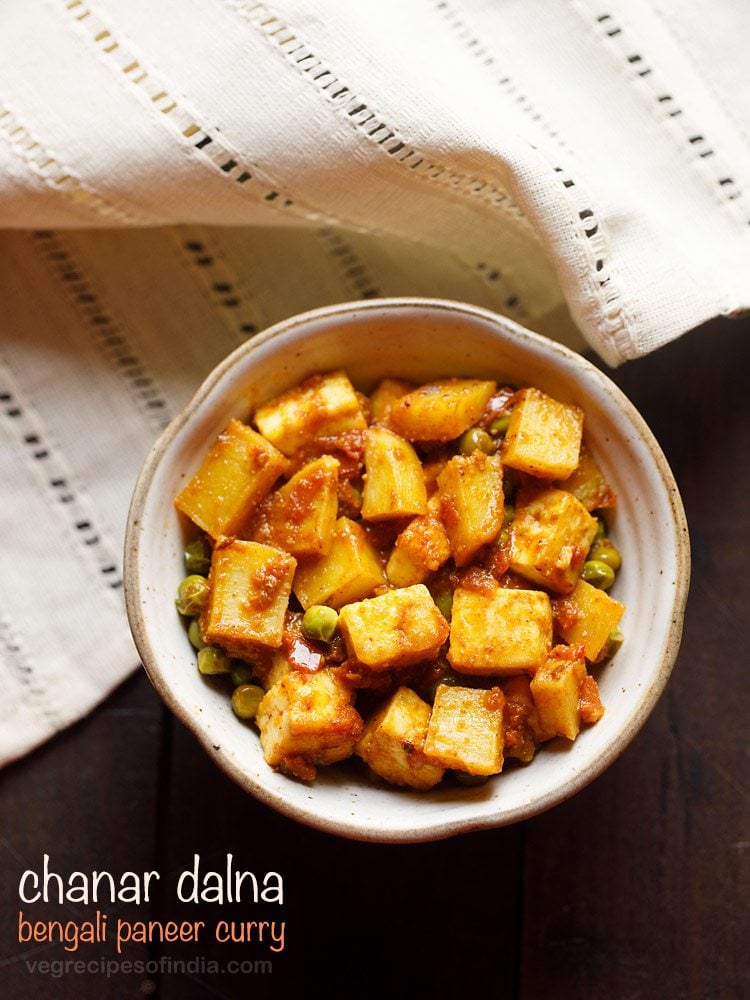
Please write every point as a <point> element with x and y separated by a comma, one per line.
<point>417,339</point>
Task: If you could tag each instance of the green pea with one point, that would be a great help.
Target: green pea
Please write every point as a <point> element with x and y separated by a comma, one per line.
<point>245,700</point>
<point>212,660</point>
<point>192,594</point>
<point>241,673</point>
<point>598,574</point>
<point>319,623</point>
<point>500,425</point>
<point>194,634</point>
<point>601,528</point>
<point>509,512</point>
<point>614,642</point>
<point>476,438</point>
<point>198,556</point>
<point>444,603</point>
<point>470,780</point>
<point>604,551</point>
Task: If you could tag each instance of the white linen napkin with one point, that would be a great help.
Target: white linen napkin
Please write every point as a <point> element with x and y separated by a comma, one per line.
<point>175,175</point>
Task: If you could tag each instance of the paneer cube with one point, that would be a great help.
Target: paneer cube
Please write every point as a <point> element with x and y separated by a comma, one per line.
<point>349,571</point>
<point>236,474</point>
<point>394,483</point>
<point>544,436</point>
<point>307,719</point>
<point>394,629</point>
<point>550,536</point>
<point>392,743</point>
<point>501,631</point>
<point>250,587</point>
<point>587,615</point>
<point>555,688</point>
<point>588,484</point>
<point>384,395</point>
<point>440,411</point>
<point>269,669</point>
<point>321,406</point>
<point>470,488</point>
<point>420,549</point>
<point>300,516</point>
<point>520,720</point>
<point>466,730</point>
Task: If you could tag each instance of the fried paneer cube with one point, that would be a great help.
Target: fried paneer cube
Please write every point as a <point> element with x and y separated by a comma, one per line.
<point>321,406</point>
<point>501,631</point>
<point>466,730</point>
<point>384,395</point>
<point>269,669</point>
<point>393,629</point>
<point>588,484</point>
<point>236,474</point>
<point>420,549</point>
<point>556,690</point>
<point>470,489</point>
<point>299,517</point>
<point>250,586</point>
<point>589,616</point>
<point>307,719</point>
<point>544,436</point>
<point>350,570</point>
<point>440,411</point>
<point>394,482</point>
<point>550,536</point>
<point>392,743</point>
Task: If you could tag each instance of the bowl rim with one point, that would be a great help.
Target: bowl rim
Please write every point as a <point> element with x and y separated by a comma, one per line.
<point>450,827</point>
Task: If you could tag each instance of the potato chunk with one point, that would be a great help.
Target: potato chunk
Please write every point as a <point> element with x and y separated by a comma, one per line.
<point>544,436</point>
<point>420,549</point>
<point>349,571</point>
<point>394,483</point>
<point>236,474</point>
<point>587,615</point>
<point>440,411</point>
<point>588,484</point>
<point>308,719</point>
<point>250,586</point>
<point>384,395</point>
<point>551,534</point>
<point>394,629</point>
<point>470,488</point>
<point>555,688</point>
<point>300,516</point>
<point>321,406</point>
<point>466,730</point>
<point>392,743</point>
<point>499,631</point>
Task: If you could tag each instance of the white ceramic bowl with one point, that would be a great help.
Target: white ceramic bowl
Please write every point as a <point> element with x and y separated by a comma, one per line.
<point>416,339</point>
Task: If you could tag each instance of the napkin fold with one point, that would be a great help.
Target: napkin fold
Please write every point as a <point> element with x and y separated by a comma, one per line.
<point>175,176</point>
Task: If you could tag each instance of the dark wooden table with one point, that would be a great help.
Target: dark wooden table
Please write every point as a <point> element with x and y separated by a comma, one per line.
<point>636,888</point>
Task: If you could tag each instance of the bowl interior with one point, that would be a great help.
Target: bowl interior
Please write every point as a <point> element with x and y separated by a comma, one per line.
<point>417,340</point>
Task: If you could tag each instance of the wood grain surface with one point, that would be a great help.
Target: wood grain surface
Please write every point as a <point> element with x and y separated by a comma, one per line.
<point>637,888</point>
